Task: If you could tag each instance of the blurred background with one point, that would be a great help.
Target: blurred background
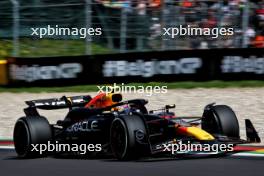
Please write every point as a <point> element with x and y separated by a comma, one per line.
<point>127,25</point>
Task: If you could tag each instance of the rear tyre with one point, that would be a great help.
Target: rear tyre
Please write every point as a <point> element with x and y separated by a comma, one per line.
<point>221,119</point>
<point>31,130</point>
<point>128,137</point>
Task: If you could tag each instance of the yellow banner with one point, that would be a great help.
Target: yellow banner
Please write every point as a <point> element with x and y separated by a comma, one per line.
<point>3,72</point>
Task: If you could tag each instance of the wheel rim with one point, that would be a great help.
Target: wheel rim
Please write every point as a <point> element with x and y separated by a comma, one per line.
<point>119,138</point>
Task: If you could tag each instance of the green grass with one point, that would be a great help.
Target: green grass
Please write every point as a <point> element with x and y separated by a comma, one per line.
<point>173,85</point>
<point>49,47</point>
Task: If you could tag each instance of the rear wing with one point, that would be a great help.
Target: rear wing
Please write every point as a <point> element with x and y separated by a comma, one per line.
<point>69,102</point>
<point>61,103</point>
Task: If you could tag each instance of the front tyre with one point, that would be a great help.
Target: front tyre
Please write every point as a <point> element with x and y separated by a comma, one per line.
<point>128,137</point>
<point>221,119</point>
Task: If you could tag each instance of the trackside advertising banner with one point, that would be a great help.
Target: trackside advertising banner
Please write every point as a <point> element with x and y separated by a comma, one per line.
<point>195,65</point>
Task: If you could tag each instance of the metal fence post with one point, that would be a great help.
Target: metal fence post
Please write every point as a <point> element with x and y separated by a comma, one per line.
<point>123,30</point>
<point>88,21</point>
<point>15,4</point>
<point>166,17</point>
<point>245,21</point>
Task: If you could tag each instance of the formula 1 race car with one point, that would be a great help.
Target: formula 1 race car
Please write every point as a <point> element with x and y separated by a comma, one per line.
<point>125,129</point>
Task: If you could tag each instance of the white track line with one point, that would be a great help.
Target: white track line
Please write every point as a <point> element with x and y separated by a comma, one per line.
<point>248,154</point>
<point>7,147</point>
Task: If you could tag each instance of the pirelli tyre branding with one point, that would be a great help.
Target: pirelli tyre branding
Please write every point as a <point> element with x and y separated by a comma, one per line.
<point>36,72</point>
<point>143,68</point>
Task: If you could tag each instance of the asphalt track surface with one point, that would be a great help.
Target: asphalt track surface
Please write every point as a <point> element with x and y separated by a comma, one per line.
<point>237,166</point>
